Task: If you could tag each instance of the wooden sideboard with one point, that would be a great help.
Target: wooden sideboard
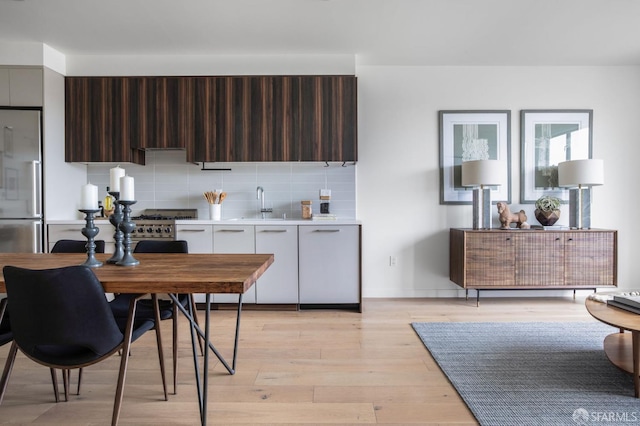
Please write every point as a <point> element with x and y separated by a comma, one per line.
<point>533,259</point>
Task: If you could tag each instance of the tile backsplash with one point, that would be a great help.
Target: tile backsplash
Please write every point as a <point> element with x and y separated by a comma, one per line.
<point>168,181</point>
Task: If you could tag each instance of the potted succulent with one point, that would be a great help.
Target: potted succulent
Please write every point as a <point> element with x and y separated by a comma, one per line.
<point>547,210</point>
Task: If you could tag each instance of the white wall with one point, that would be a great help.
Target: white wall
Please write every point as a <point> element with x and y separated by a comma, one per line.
<point>59,178</point>
<point>398,181</point>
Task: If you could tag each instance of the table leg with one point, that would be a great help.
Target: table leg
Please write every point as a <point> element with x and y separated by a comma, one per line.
<point>196,366</point>
<point>203,384</point>
<point>235,342</point>
<point>124,360</point>
<point>635,336</point>
<point>230,368</point>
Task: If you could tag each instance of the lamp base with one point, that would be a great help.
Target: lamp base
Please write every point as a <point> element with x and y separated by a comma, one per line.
<point>482,208</point>
<point>580,218</point>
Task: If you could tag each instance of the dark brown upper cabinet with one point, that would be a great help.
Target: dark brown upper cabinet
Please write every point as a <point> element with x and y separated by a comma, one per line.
<point>231,119</point>
<point>275,118</point>
<point>98,120</point>
<point>244,119</point>
<point>216,119</point>
<point>164,113</point>
<point>328,118</point>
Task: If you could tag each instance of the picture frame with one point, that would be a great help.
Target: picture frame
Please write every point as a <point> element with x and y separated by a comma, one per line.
<point>11,183</point>
<point>548,137</point>
<point>472,135</point>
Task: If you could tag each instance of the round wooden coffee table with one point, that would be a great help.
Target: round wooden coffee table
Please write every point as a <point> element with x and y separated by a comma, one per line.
<point>622,349</point>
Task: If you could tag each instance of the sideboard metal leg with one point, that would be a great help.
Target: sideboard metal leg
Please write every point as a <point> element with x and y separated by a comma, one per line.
<point>466,292</point>
<point>477,298</point>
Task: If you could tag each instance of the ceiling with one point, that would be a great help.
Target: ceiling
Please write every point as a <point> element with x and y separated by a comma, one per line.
<point>387,32</point>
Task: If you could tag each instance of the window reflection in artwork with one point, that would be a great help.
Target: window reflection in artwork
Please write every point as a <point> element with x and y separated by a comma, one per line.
<point>549,138</point>
<point>555,143</point>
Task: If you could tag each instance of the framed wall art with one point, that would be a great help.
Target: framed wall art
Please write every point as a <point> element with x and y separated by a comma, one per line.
<point>472,135</point>
<point>549,137</point>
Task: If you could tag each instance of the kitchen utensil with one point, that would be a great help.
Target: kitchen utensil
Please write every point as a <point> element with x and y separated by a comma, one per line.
<point>211,197</point>
<point>223,195</point>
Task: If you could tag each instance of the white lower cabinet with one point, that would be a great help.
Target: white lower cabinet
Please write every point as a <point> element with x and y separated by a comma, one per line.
<point>329,264</point>
<point>199,238</point>
<point>57,232</point>
<point>313,265</point>
<point>234,239</point>
<point>279,284</point>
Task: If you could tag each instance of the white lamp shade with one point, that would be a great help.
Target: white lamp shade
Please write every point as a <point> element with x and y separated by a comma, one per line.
<point>483,172</point>
<point>581,173</point>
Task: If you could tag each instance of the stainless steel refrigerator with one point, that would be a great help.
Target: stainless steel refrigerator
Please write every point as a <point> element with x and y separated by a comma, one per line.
<point>21,218</point>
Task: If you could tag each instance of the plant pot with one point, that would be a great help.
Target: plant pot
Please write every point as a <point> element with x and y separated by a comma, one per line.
<point>547,218</point>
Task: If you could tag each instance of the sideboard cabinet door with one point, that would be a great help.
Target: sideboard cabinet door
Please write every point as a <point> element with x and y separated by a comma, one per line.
<point>590,258</point>
<point>490,259</point>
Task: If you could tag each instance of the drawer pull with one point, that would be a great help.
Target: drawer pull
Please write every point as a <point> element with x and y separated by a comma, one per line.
<point>191,230</point>
<point>274,231</point>
<point>230,230</point>
<point>326,230</point>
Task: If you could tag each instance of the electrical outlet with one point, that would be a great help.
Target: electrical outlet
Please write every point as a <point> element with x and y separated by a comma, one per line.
<point>393,261</point>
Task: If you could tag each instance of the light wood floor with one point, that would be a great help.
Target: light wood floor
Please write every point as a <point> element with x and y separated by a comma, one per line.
<point>309,367</point>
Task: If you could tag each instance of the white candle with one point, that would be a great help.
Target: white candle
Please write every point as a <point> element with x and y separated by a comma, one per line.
<point>89,197</point>
<point>114,178</point>
<point>127,189</point>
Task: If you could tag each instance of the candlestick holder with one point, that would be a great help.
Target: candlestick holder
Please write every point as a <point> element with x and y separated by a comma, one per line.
<point>90,231</point>
<point>116,219</point>
<point>127,227</point>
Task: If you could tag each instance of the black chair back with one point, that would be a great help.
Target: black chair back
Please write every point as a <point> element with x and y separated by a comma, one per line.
<point>166,246</point>
<point>60,316</point>
<point>75,246</point>
<point>5,328</point>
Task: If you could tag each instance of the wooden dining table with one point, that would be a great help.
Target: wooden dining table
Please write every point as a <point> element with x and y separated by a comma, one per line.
<point>170,273</point>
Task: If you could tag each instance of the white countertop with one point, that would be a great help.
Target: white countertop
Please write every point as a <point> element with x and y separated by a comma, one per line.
<point>97,221</point>
<point>100,221</point>
<point>258,221</point>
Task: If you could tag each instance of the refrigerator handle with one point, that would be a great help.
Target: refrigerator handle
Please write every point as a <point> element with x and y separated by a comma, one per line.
<point>37,237</point>
<point>36,196</point>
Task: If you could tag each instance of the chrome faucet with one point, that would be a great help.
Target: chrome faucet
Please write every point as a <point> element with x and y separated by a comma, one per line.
<point>260,196</point>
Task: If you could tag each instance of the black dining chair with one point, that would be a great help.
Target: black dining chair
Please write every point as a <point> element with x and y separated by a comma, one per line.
<point>75,246</point>
<point>5,330</point>
<point>167,308</point>
<point>6,336</point>
<point>60,318</point>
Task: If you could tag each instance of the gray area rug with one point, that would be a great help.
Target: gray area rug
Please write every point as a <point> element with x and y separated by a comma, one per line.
<point>533,373</point>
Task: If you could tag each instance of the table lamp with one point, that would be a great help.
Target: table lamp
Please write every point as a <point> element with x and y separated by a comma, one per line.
<point>578,175</point>
<point>480,174</point>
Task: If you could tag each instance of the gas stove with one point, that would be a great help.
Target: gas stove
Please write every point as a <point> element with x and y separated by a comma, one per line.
<point>154,224</point>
